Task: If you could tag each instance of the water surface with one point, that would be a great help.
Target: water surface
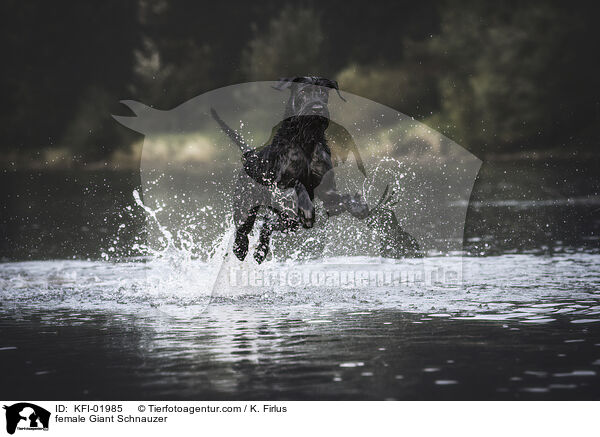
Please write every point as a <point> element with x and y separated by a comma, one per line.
<point>525,324</point>
<point>522,327</point>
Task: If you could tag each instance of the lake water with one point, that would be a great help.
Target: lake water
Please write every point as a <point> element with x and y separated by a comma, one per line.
<point>524,324</point>
<point>526,329</point>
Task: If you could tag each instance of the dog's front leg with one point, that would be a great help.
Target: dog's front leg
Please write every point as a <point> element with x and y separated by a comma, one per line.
<point>306,209</point>
<point>336,203</point>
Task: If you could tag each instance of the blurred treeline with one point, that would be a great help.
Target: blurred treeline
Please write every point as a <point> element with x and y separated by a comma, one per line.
<point>497,77</point>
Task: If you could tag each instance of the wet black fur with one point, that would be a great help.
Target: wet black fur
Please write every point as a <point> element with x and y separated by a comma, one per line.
<point>298,158</point>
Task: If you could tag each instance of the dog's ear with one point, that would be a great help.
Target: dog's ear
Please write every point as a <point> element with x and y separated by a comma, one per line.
<point>337,88</point>
<point>332,84</point>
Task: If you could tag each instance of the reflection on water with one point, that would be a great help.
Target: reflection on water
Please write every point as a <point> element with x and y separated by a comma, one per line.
<point>523,327</point>
<point>525,324</point>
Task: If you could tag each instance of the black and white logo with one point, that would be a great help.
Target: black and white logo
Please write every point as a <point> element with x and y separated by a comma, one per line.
<point>26,416</point>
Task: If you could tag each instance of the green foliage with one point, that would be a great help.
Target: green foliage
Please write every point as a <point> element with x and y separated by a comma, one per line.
<point>495,77</point>
<point>88,136</point>
<point>290,46</point>
<point>408,88</point>
<point>511,77</point>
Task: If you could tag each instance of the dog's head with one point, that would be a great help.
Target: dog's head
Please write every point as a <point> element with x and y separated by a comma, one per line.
<point>309,95</point>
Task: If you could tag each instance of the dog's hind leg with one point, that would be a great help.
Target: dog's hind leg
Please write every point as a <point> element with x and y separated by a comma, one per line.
<point>278,221</point>
<point>244,223</point>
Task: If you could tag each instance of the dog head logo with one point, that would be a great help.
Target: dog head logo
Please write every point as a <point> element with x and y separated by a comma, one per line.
<point>26,416</point>
<point>379,183</point>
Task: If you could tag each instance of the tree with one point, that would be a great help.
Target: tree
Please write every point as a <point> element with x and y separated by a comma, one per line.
<point>290,46</point>
<point>513,77</point>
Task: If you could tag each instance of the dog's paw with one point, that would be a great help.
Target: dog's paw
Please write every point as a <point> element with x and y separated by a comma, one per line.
<point>307,217</point>
<point>240,246</point>
<point>261,253</point>
<point>306,212</point>
<point>357,206</point>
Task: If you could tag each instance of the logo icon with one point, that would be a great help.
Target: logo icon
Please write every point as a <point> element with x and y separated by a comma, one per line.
<point>26,416</point>
<point>412,188</point>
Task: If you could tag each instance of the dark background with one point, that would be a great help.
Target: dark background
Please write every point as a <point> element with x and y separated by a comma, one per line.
<point>498,77</point>
<point>516,83</point>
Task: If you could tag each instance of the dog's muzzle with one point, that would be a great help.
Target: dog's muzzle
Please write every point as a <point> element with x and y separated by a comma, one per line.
<point>316,109</point>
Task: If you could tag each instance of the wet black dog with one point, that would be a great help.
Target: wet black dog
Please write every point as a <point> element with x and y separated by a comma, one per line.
<point>298,157</point>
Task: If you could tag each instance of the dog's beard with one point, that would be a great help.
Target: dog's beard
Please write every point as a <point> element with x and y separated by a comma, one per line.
<point>310,128</point>
<point>312,121</point>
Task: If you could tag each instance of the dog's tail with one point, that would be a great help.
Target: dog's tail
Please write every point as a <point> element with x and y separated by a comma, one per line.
<point>235,137</point>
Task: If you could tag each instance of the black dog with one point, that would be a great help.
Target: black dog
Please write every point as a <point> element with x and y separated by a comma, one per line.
<point>298,157</point>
